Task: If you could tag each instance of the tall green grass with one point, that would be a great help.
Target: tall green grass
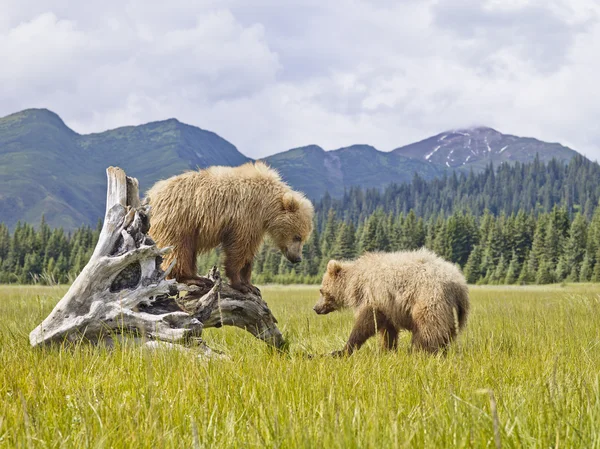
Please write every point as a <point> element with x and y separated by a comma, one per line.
<point>534,350</point>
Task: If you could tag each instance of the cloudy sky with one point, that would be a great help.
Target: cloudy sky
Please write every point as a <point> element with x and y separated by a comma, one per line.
<point>269,75</point>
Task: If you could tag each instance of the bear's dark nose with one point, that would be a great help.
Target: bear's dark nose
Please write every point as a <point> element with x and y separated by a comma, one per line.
<point>295,259</point>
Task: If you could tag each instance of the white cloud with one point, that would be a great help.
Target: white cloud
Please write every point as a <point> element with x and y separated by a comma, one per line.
<point>269,77</point>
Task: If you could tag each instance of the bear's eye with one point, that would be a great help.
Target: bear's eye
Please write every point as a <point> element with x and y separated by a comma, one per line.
<point>297,238</point>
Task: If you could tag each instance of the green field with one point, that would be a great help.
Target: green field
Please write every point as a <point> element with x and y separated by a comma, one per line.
<point>537,349</point>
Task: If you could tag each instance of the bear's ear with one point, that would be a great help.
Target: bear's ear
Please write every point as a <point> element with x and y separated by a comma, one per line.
<point>334,267</point>
<point>290,203</point>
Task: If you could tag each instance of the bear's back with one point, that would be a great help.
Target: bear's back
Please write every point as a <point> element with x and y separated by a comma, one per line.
<point>420,265</point>
<point>397,281</point>
<point>219,179</point>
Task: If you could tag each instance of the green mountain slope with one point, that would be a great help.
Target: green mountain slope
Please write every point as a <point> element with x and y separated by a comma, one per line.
<point>41,172</point>
<point>48,169</point>
<point>158,150</point>
<point>314,171</point>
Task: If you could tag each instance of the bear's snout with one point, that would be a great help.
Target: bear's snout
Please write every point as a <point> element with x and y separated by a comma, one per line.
<point>322,308</point>
<point>294,259</point>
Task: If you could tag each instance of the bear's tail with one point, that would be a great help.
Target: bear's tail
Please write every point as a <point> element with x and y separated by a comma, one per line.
<point>461,313</point>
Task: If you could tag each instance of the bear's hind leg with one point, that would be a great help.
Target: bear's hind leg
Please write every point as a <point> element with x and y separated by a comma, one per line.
<point>430,339</point>
<point>184,270</point>
<point>388,335</point>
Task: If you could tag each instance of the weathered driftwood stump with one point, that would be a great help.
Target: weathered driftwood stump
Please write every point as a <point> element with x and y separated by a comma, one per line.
<point>123,290</point>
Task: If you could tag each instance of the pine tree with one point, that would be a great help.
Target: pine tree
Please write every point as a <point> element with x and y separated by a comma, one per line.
<point>272,261</point>
<point>488,266</point>
<point>31,268</point>
<point>575,246</point>
<point>499,274</point>
<point>461,233</point>
<point>412,232</point>
<point>525,275</point>
<point>62,265</point>
<point>4,241</point>
<point>573,276</point>
<point>441,243</point>
<point>328,238</point>
<point>345,246</point>
<point>51,271</point>
<point>369,237</point>
<point>492,243</point>
<point>285,266</point>
<point>545,273</point>
<point>79,261</point>
<point>593,240</point>
<point>562,269</point>
<point>538,246</point>
<point>43,236</point>
<point>430,232</point>
<point>513,271</point>
<point>472,268</point>
<point>382,240</point>
<point>311,255</point>
<point>559,218</point>
<point>585,273</point>
<point>523,238</point>
<point>596,272</point>
<point>396,233</point>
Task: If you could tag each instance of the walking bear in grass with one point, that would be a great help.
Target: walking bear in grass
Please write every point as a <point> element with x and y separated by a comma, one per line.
<point>413,290</point>
<point>229,206</point>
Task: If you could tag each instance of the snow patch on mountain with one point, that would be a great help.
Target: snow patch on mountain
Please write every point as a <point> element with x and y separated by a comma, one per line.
<point>478,146</point>
<point>427,156</point>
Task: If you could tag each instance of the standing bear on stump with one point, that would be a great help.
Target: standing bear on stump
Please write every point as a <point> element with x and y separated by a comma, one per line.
<point>230,206</point>
<point>413,290</point>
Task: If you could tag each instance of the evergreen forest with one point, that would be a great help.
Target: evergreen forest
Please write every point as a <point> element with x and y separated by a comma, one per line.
<point>517,223</point>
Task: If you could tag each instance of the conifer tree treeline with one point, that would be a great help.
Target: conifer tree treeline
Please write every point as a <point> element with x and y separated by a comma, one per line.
<point>509,188</point>
<point>522,247</point>
<point>48,256</point>
<point>523,223</point>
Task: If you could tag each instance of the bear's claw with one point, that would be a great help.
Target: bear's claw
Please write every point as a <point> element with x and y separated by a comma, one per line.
<point>197,281</point>
<point>246,288</point>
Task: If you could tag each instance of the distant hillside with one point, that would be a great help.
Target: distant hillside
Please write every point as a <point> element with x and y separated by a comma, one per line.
<point>533,187</point>
<point>315,171</point>
<point>42,171</point>
<point>476,147</point>
<point>47,169</point>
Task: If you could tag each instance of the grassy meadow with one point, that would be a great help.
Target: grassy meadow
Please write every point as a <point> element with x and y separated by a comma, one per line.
<point>528,365</point>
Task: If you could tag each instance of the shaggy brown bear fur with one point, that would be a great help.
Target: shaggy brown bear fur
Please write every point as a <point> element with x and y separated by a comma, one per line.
<point>230,206</point>
<point>413,290</point>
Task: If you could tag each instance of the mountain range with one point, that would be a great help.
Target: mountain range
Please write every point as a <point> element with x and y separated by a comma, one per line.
<point>477,147</point>
<point>47,169</point>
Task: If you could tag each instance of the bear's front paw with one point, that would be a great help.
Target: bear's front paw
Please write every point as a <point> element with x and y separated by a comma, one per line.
<point>197,281</point>
<point>254,289</point>
<point>246,288</point>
